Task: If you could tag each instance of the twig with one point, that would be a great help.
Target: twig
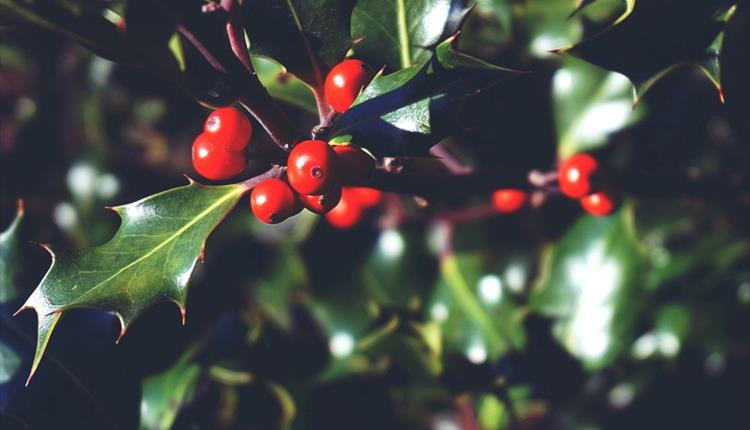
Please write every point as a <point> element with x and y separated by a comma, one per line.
<point>236,34</point>
<point>274,172</point>
<point>451,162</point>
<point>215,63</point>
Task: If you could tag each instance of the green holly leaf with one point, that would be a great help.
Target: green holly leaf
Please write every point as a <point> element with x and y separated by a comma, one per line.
<point>399,34</point>
<point>166,393</point>
<point>307,37</point>
<point>9,262</point>
<point>284,86</point>
<point>478,320</point>
<point>276,290</point>
<point>591,284</point>
<point>149,259</point>
<point>640,46</point>
<point>408,111</point>
<point>589,104</point>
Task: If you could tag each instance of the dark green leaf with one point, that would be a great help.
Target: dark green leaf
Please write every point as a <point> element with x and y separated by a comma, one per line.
<point>9,260</point>
<point>283,85</point>
<point>150,259</point>
<point>590,103</point>
<point>591,284</point>
<point>477,320</point>
<point>166,393</point>
<point>276,290</point>
<point>642,47</point>
<point>408,111</point>
<point>398,33</point>
<point>305,36</point>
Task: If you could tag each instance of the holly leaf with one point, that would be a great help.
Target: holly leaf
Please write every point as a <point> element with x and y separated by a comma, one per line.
<point>640,46</point>
<point>149,259</point>
<point>477,320</point>
<point>284,86</point>
<point>166,393</point>
<point>400,33</point>
<point>591,284</point>
<point>589,104</point>
<point>408,111</point>
<point>9,261</point>
<point>307,37</point>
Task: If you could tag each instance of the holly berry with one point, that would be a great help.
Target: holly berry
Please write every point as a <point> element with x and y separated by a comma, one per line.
<point>215,163</point>
<point>323,203</point>
<point>273,201</point>
<point>312,167</point>
<point>601,203</point>
<point>344,82</point>
<point>228,128</point>
<point>355,165</point>
<point>508,200</point>
<point>578,175</point>
<point>347,213</point>
<point>366,197</point>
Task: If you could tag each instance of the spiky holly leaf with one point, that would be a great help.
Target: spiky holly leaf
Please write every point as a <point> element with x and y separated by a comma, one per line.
<point>305,36</point>
<point>643,47</point>
<point>408,111</point>
<point>9,256</point>
<point>149,259</point>
<point>399,34</point>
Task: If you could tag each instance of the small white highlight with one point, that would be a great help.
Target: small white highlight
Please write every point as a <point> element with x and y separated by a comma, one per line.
<point>743,293</point>
<point>81,180</point>
<point>65,216</point>
<point>645,346</point>
<point>515,277</point>
<point>107,186</point>
<point>490,289</point>
<point>603,119</point>
<point>563,81</point>
<point>391,244</point>
<point>544,43</point>
<point>338,80</point>
<point>669,345</point>
<point>477,353</point>
<point>341,344</point>
<point>439,312</point>
<point>621,396</point>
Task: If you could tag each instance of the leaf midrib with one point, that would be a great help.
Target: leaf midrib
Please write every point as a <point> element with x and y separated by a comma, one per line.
<point>403,33</point>
<point>162,244</point>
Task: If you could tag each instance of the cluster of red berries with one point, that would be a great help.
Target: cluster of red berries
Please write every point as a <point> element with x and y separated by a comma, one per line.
<point>316,171</point>
<point>580,178</point>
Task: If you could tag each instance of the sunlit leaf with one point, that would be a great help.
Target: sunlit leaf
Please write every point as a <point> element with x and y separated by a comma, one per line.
<point>592,286</point>
<point>166,393</point>
<point>9,260</point>
<point>150,259</point>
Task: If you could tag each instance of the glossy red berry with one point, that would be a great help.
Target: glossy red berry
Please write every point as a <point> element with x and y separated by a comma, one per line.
<point>215,163</point>
<point>355,165</point>
<point>366,197</point>
<point>228,128</point>
<point>578,175</point>
<point>322,203</point>
<point>273,201</point>
<point>312,167</point>
<point>347,213</point>
<point>508,200</point>
<point>344,82</point>
<point>601,203</point>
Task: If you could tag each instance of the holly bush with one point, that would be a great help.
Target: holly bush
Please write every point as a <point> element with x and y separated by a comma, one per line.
<point>520,214</point>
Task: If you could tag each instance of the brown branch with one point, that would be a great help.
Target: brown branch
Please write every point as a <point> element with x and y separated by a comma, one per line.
<point>236,34</point>
<point>274,172</point>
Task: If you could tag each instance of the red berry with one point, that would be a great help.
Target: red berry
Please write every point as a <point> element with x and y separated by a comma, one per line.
<point>347,213</point>
<point>273,201</point>
<point>312,167</point>
<point>344,82</point>
<point>508,200</point>
<point>215,163</point>
<point>323,203</point>
<point>366,197</point>
<point>601,203</point>
<point>578,175</point>
<point>355,165</point>
<point>228,128</point>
